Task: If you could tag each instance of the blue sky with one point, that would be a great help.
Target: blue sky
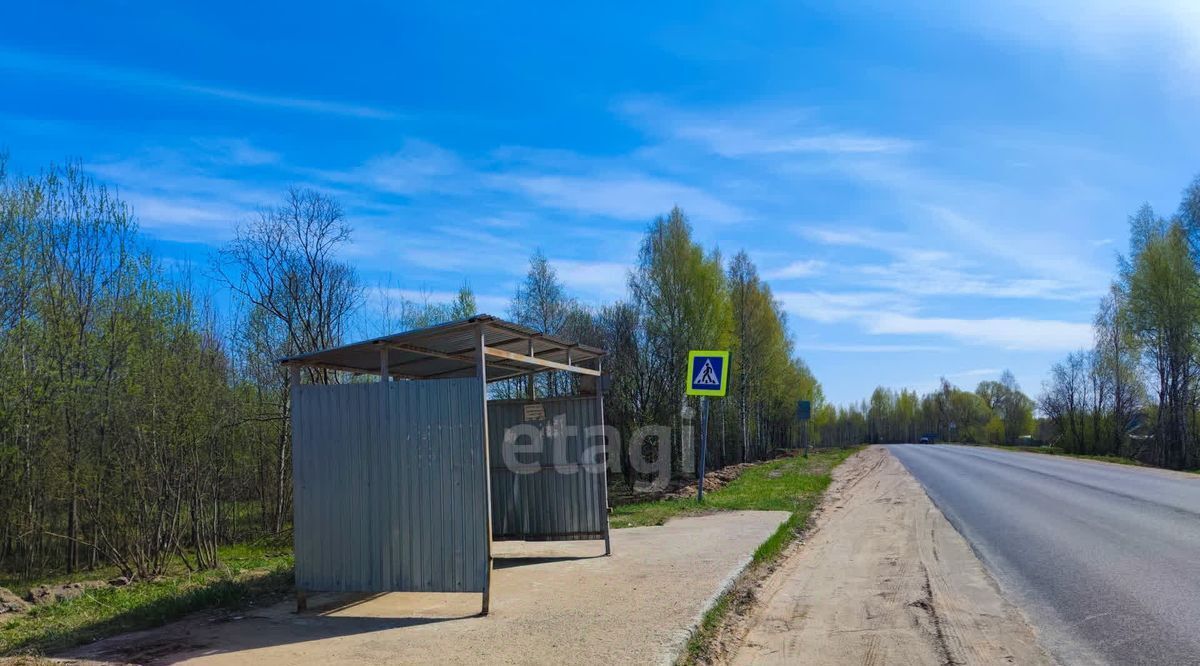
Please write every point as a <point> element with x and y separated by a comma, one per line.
<point>929,192</point>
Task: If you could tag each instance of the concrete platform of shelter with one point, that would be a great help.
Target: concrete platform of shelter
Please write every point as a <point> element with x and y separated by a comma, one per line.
<point>551,603</point>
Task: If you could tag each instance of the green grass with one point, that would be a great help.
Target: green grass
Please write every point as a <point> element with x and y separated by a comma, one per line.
<point>248,572</point>
<point>770,549</point>
<point>788,484</point>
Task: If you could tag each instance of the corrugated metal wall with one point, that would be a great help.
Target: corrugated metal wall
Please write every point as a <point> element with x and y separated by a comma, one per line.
<point>389,499</point>
<point>563,496</point>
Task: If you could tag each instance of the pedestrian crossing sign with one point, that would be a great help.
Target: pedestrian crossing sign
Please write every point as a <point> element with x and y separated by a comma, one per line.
<point>708,373</point>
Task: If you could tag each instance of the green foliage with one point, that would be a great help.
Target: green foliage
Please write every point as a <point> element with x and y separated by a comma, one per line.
<point>1134,394</point>
<point>681,297</point>
<point>115,401</point>
<point>135,430</point>
<point>996,412</point>
<point>249,574</point>
<point>1164,316</point>
<point>767,379</point>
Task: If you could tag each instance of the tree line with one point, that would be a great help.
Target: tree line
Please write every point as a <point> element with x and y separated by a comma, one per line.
<point>681,297</point>
<point>144,417</point>
<point>996,412</point>
<point>120,428</point>
<point>1135,392</point>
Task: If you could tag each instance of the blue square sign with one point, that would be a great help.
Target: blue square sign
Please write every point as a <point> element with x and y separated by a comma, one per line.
<point>708,373</point>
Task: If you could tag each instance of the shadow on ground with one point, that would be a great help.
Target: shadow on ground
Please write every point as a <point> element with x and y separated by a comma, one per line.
<point>328,616</point>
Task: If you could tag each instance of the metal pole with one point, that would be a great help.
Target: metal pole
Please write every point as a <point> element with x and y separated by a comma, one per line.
<point>703,446</point>
<point>481,371</point>
<point>293,388</point>
<point>604,445</point>
<point>383,383</point>
<point>529,388</point>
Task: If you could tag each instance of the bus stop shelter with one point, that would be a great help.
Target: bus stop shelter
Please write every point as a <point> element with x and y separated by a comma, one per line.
<point>402,483</point>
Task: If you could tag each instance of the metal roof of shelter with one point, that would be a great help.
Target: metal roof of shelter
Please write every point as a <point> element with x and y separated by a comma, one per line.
<point>448,350</point>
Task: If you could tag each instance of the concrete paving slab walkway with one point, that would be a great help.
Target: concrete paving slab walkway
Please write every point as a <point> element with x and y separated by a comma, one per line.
<point>551,603</point>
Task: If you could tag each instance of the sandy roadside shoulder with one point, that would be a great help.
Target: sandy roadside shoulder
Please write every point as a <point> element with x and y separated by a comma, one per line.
<point>882,578</point>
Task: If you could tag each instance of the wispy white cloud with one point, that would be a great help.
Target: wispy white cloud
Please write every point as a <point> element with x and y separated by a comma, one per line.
<point>855,237</point>
<point>72,69</point>
<point>756,130</point>
<point>977,372</point>
<point>390,297</point>
<point>1014,333</point>
<point>868,348</point>
<point>797,269</point>
<point>554,179</point>
<point>185,218</point>
<point>442,249</point>
<point>594,280</point>
<point>980,227</point>
<point>628,196</point>
<point>730,141</point>
<point>236,152</point>
<point>419,167</point>
<point>884,313</point>
<point>830,307</point>
<point>926,278</point>
<point>1167,31</point>
<point>176,195</point>
<point>919,270</point>
<point>1050,256</point>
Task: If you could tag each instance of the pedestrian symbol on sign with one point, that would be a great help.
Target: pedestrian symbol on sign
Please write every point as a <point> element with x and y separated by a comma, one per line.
<point>706,377</point>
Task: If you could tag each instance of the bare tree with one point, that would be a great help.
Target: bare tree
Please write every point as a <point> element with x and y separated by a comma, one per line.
<point>285,266</point>
<point>541,303</point>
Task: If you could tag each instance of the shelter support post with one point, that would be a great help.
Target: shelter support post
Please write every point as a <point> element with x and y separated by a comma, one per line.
<point>604,448</point>
<point>481,369</point>
<point>529,377</point>
<point>383,383</point>
<point>293,384</point>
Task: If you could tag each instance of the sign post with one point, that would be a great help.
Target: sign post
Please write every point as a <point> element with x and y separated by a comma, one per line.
<point>708,372</point>
<point>803,414</point>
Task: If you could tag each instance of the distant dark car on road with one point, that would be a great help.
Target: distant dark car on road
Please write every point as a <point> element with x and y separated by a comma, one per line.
<point>924,440</point>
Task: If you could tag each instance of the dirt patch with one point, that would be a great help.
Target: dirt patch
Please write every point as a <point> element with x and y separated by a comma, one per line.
<point>11,603</point>
<point>621,494</point>
<point>44,595</point>
<point>880,578</point>
<point>746,591</point>
<point>712,481</point>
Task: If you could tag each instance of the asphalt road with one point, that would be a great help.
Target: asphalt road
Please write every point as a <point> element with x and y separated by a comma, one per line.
<point>1105,559</point>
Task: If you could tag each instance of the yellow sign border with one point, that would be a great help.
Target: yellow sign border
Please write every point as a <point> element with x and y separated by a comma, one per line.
<point>724,378</point>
